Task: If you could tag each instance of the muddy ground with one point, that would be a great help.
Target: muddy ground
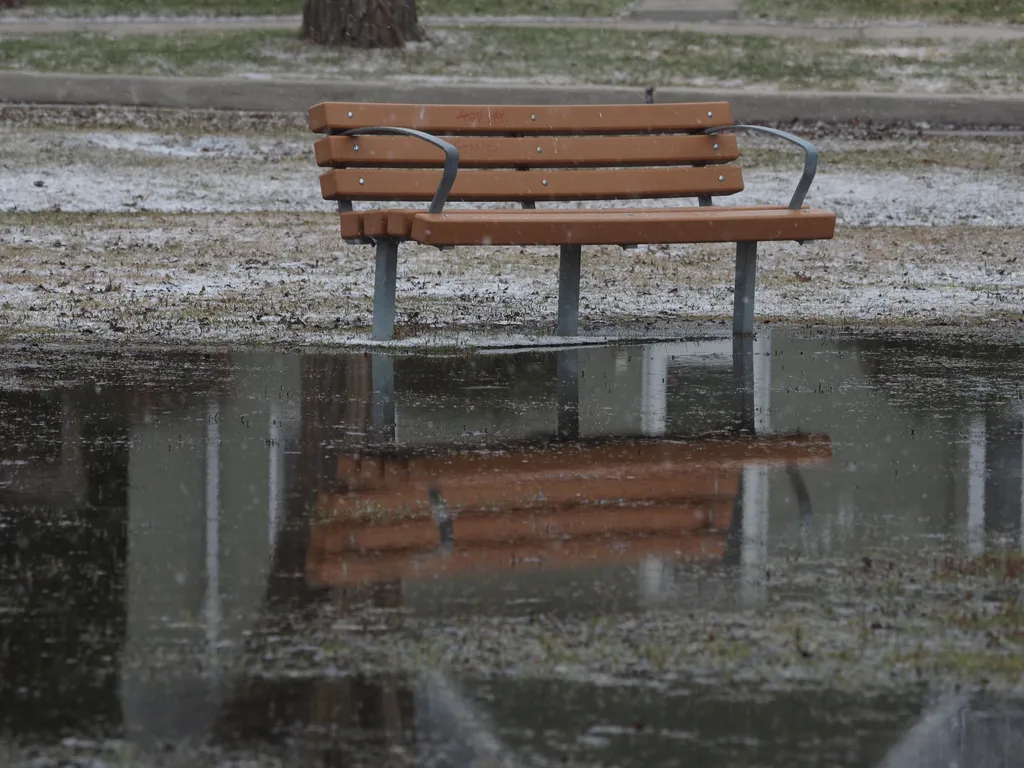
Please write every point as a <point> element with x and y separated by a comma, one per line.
<point>152,225</point>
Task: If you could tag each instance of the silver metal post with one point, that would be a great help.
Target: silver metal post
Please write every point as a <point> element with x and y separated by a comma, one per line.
<point>275,472</point>
<point>654,392</point>
<point>754,551</point>
<point>569,290</point>
<point>743,379</point>
<point>384,289</point>
<point>382,369</point>
<point>212,607</point>
<point>743,300</point>
<point>976,472</point>
<point>567,369</point>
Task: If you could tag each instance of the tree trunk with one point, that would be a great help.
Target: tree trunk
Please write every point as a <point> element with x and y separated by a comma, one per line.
<point>361,23</point>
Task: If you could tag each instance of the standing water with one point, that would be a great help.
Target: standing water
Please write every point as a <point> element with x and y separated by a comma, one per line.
<point>797,550</point>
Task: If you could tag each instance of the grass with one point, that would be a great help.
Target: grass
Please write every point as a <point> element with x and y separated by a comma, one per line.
<point>547,55</point>
<point>1002,155</point>
<point>790,10</point>
<point>284,7</point>
<point>939,10</point>
<point>164,7</point>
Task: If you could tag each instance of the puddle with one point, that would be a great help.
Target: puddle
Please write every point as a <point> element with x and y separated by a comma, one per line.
<point>614,555</point>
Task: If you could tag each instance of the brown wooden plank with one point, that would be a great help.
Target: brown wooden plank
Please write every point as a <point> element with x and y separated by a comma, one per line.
<point>699,225</point>
<point>500,186</point>
<point>397,222</point>
<point>543,477</point>
<point>609,459</point>
<point>540,119</point>
<point>323,569</point>
<point>530,492</point>
<point>339,536</point>
<point>535,152</point>
<point>352,223</point>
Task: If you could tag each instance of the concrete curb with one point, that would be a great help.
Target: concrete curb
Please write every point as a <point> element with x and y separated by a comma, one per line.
<point>686,10</point>
<point>298,95</point>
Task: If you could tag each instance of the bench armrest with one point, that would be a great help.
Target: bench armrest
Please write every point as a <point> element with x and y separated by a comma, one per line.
<point>810,157</point>
<point>451,157</point>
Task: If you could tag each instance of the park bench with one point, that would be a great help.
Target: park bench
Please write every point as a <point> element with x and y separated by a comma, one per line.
<point>525,507</point>
<point>530,155</point>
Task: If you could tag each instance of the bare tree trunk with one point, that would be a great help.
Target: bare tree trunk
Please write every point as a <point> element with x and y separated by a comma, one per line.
<point>361,23</point>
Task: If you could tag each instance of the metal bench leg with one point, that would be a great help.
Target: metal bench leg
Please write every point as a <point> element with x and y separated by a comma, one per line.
<point>743,300</point>
<point>384,289</point>
<point>569,290</point>
<point>382,380</point>
<point>743,380</point>
<point>567,368</point>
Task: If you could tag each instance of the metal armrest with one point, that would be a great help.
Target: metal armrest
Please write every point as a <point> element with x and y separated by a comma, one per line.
<point>451,157</point>
<point>810,157</point>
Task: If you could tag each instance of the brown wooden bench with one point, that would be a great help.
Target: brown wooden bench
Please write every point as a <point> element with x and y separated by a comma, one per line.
<point>527,155</point>
<point>536,507</point>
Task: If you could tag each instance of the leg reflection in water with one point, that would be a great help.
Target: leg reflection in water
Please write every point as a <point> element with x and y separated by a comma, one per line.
<point>445,525</point>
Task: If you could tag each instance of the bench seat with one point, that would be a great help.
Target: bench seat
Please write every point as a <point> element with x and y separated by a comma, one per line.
<point>522,508</point>
<point>369,226</point>
<point>385,154</point>
<point>695,225</point>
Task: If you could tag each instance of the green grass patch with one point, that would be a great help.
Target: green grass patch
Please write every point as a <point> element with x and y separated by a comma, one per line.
<point>567,56</point>
<point>939,10</point>
<point>165,7</point>
<point>286,7</point>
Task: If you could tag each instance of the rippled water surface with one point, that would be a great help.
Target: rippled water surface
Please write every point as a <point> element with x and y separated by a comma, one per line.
<point>365,559</point>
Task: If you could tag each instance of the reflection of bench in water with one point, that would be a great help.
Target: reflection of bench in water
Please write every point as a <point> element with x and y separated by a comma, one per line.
<point>536,507</point>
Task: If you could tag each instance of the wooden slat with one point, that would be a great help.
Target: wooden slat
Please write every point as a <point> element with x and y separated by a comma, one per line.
<point>397,222</point>
<point>499,186</point>
<point>535,152</point>
<point>659,472</point>
<point>540,119</point>
<point>604,458</point>
<point>529,492</point>
<point>353,224</point>
<point>341,536</point>
<point>699,225</point>
<point>323,570</point>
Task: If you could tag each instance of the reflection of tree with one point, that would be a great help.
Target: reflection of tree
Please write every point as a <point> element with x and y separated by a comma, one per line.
<point>65,428</point>
<point>62,566</point>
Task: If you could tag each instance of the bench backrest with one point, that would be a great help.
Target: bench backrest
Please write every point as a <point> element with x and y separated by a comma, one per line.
<point>528,153</point>
<point>519,505</point>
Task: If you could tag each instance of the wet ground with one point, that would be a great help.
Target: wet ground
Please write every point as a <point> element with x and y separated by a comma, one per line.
<point>801,549</point>
<point>208,227</point>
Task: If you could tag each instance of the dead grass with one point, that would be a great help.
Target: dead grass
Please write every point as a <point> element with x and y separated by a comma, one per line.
<point>568,56</point>
<point>272,277</point>
<point>286,7</point>
<point>939,10</point>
